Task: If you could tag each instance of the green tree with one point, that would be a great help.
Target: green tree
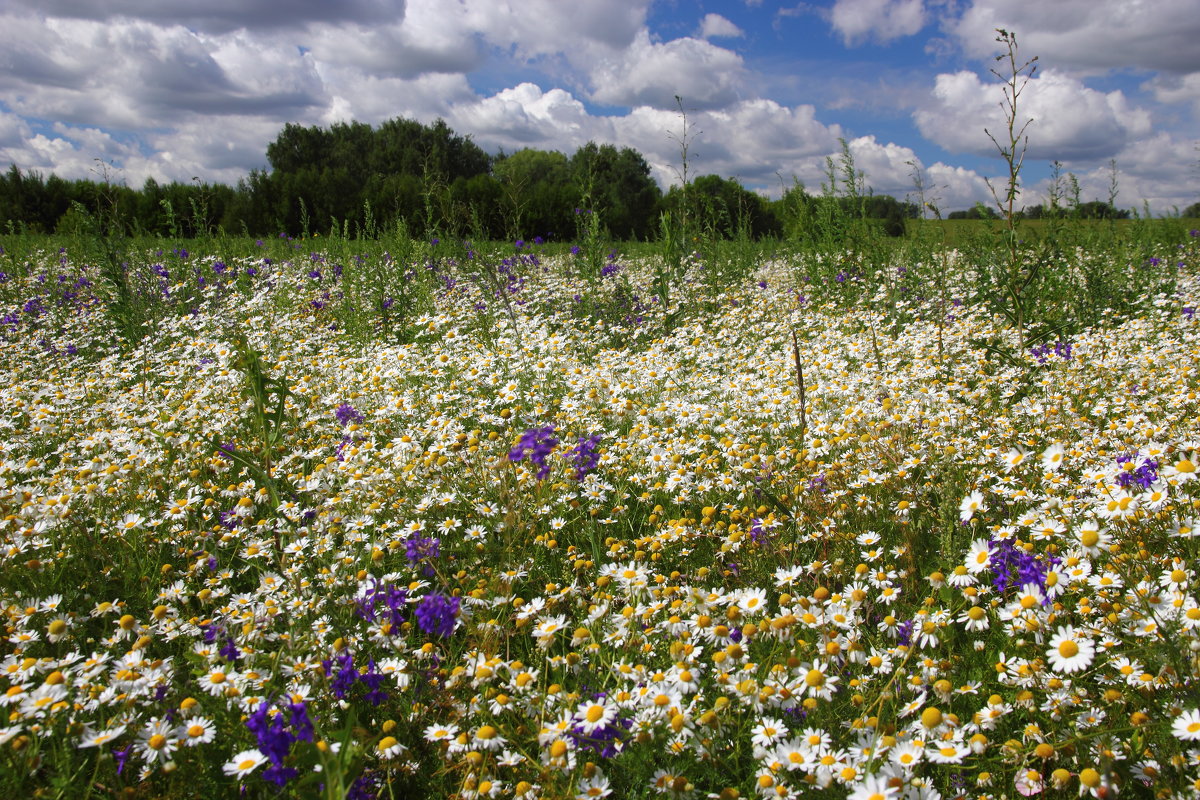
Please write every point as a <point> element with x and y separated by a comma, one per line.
<point>621,188</point>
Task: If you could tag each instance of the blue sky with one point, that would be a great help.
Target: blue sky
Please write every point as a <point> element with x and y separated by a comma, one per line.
<point>174,89</point>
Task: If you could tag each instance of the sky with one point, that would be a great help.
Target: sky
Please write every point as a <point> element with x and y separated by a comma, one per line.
<point>177,90</point>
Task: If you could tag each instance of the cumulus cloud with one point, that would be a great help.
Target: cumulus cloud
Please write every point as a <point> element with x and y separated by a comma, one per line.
<point>1179,89</point>
<point>407,50</point>
<point>1070,121</point>
<point>714,25</point>
<point>222,16</point>
<point>652,74</point>
<point>1089,35</point>
<point>580,30</point>
<point>752,140</point>
<point>880,20</point>
<point>125,74</point>
<point>525,116</point>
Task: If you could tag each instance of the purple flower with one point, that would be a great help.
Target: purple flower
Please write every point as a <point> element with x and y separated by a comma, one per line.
<point>346,673</point>
<point>538,443</point>
<point>384,600</point>
<point>122,756</point>
<point>276,733</point>
<point>372,679</point>
<point>422,548</point>
<point>365,787</point>
<point>229,651</point>
<point>347,414</point>
<point>904,632</point>
<point>585,456</point>
<point>437,613</point>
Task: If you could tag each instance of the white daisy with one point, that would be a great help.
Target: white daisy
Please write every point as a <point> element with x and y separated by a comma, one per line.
<point>1070,651</point>
<point>1186,726</point>
<point>244,763</point>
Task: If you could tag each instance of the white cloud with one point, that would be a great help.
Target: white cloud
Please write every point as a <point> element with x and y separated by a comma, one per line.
<point>578,30</point>
<point>525,116</point>
<point>880,20</point>
<point>653,74</point>
<point>1088,35</point>
<point>1152,170</point>
<point>355,95</point>
<point>714,25</point>
<point>954,188</point>
<point>222,16</point>
<point>1179,89</point>
<point>431,38</point>
<point>756,141</point>
<point>1070,121</point>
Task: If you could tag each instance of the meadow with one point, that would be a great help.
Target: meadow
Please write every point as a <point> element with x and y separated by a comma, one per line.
<point>408,517</point>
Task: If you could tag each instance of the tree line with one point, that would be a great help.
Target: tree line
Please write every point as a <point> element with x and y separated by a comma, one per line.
<point>357,178</point>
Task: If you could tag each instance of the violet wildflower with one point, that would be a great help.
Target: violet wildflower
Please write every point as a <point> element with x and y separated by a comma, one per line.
<point>422,549</point>
<point>538,443</point>
<point>1144,475</point>
<point>606,741</point>
<point>346,673</point>
<point>372,679</point>
<point>229,651</point>
<point>437,614</point>
<point>585,456</point>
<point>384,601</point>
<point>347,414</point>
<point>365,787</point>
<point>276,732</point>
<point>121,757</point>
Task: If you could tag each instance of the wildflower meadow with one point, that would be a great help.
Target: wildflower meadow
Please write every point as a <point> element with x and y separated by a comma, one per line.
<point>413,517</point>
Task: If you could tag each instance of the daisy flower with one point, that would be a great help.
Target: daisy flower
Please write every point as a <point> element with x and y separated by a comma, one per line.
<point>1186,726</point>
<point>91,738</point>
<point>244,763</point>
<point>594,715</point>
<point>1069,651</point>
<point>1052,457</point>
<point>199,730</point>
<point>874,787</point>
<point>979,556</point>
<point>767,732</point>
<point>970,504</point>
<point>389,747</point>
<point>1013,459</point>
<point>817,680</point>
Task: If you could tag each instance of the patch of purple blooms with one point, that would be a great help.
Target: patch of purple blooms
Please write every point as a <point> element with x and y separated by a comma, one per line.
<point>347,414</point>
<point>585,455</point>
<point>341,668</point>
<point>383,601</point>
<point>606,741</point>
<point>419,549</point>
<point>437,614</point>
<point>1014,567</point>
<point>537,443</point>
<point>1043,352</point>
<point>276,733</point>
<point>1144,475</point>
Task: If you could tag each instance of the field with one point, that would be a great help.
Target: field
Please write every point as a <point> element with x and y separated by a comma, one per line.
<point>399,518</point>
